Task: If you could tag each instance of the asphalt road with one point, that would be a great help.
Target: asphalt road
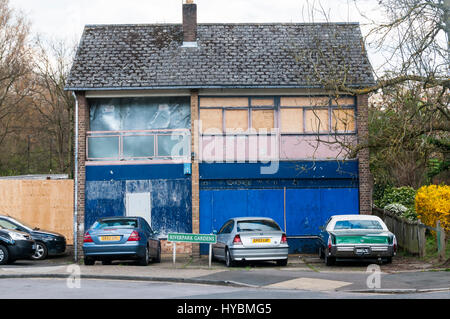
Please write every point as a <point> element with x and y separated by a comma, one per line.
<point>110,289</point>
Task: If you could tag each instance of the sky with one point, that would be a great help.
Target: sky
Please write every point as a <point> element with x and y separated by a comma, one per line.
<point>65,19</point>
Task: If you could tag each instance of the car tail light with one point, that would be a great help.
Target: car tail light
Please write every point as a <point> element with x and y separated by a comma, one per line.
<point>237,240</point>
<point>134,236</point>
<point>329,244</point>
<point>87,238</point>
<point>283,239</point>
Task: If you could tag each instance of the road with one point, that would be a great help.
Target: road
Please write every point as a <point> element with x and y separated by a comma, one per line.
<point>111,289</point>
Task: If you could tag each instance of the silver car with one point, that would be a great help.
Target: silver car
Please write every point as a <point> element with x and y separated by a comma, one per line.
<point>251,238</point>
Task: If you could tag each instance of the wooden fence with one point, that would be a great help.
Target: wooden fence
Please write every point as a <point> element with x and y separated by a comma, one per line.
<point>46,204</point>
<point>411,234</point>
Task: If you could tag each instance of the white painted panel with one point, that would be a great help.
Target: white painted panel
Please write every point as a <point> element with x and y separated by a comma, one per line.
<point>139,205</point>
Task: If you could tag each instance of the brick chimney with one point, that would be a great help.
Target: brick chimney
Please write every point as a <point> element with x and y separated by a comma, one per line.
<point>189,24</point>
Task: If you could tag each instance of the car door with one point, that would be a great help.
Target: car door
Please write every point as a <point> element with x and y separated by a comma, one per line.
<point>222,235</point>
<point>152,244</point>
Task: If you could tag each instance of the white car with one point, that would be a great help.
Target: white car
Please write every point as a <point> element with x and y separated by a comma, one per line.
<point>350,237</point>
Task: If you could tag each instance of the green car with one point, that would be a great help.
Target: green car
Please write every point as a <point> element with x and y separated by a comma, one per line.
<point>356,237</point>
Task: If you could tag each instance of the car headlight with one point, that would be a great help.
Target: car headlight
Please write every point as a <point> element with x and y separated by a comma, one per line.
<point>17,236</point>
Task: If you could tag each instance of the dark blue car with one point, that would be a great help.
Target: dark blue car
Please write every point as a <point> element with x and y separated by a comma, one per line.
<point>121,238</point>
<point>47,243</point>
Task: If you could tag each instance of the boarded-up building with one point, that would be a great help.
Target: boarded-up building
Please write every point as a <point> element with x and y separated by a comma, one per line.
<point>196,123</point>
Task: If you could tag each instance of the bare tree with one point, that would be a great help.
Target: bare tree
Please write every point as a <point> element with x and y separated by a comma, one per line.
<point>54,105</point>
<point>15,57</point>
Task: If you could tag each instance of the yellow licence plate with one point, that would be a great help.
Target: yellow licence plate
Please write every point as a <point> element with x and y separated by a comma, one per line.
<point>109,238</point>
<point>261,240</point>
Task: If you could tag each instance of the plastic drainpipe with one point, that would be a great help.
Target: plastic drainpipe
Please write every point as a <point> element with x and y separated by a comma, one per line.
<point>75,218</point>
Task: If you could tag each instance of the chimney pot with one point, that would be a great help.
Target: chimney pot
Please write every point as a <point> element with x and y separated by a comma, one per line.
<point>189,24</point>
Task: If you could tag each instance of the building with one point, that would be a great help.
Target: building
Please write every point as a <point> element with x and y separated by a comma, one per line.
<point>190,124</point>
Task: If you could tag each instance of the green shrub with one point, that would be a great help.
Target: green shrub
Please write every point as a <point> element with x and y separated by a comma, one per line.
<point>404,195</point>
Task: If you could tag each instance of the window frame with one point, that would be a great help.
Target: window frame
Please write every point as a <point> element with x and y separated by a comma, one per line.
<point>249,108</point>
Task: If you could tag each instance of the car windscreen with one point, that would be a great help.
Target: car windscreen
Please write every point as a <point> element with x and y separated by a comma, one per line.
<point>116,223</point>
<point>357,224</point>
<point>257,225</point>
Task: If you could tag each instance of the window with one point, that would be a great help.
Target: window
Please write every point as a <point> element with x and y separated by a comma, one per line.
<point>316,121</point>
<point>257,225</point>
<point>236,114</point>
<point>227,228</point>
<point>357,224</point>
<point>317,115</point>
<point>291,120</point>
<point>263,119</point>
<point>343,120</point>
<point>138,128</point>
<point>236,120</point>
<point>212,120</point>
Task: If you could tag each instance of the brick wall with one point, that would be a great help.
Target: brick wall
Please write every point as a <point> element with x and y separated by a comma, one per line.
<point>83,127</point>
<point>183,249</point>
<point>195,172</point>
<point>365,178</point>
<point>190,22</point>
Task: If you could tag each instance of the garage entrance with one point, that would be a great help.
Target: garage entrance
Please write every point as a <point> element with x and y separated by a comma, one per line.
<point>299,211</point>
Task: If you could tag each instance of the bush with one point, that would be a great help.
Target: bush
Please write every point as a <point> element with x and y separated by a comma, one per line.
<point>403,196</point>
<point>397,209</point>
<point>432,203</point>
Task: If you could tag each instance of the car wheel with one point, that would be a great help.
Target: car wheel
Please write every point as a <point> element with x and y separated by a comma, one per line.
<point>4,255</point>
<point>88,261</point>
<point>389,260</point>
<point>41,251</point>
<point>144,259</point>
<point>329,261</point>
<point>282,262</point>
<point>228,260</point>
<point>158,255</point>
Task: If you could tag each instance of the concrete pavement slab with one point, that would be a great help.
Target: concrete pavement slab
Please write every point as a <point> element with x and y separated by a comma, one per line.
<point>311,284</point>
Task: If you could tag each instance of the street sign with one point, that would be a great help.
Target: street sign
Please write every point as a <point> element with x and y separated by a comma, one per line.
<point>192,238</point>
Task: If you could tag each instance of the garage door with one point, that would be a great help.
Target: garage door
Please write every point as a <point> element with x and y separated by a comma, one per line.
<point>299,212</point>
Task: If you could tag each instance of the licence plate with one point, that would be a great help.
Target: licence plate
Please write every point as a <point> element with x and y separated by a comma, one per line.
<point>362,251</point>
<point>260,240</point>
<point>109,238</point>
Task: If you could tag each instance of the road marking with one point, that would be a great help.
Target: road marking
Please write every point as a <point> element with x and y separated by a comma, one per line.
<point>312,284</point>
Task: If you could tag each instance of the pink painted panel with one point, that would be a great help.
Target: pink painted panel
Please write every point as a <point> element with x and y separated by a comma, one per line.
<point>296,147</point>
<point>239,148</point>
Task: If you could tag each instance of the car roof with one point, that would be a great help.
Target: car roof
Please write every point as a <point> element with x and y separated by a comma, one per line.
<point>355,217</point>
<point>251,218</point>
<point>119,217</point>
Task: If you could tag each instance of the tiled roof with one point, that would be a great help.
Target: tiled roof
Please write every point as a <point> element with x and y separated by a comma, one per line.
<point>228,55</point>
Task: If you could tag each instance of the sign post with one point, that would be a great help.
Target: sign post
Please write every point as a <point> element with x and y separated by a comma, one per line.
<point>191,238</point>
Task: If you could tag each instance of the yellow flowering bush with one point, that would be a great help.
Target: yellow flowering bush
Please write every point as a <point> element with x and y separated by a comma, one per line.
<point>433,204</point>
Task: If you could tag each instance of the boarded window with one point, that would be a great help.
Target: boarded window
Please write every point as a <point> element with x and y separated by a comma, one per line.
<point>211,120</point>
<point>263,119</point>
<point>343,101</point>
<point>343,120</point>
<point>292,120</point>
<point>262,102</point>
<point>304,101</point>
<point>236,120</point>
<point>223,102</point>
<point>316,121</point>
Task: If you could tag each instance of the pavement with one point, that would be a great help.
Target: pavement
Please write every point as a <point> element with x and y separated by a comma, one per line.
<point>303,272</point>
